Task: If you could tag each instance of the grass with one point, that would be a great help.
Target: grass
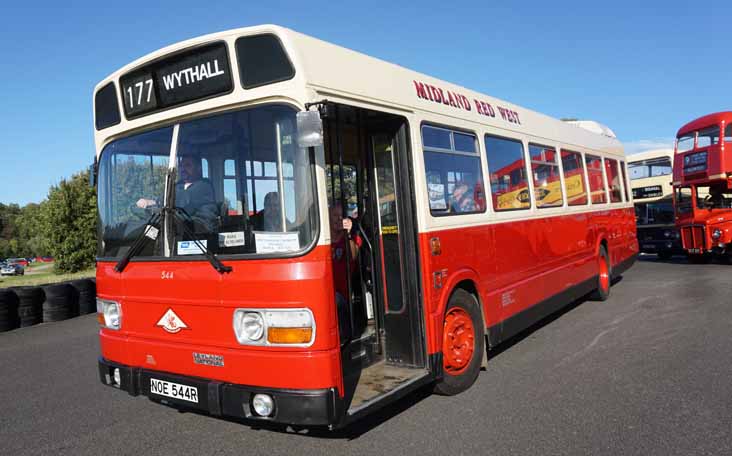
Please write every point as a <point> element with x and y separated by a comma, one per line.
<point>42,274</point>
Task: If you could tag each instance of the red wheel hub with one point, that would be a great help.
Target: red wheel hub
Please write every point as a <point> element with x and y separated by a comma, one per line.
<point>458,341</point>
<point>604,274</point>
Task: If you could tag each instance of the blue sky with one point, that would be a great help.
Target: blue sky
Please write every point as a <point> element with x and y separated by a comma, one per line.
<point>643,68</point>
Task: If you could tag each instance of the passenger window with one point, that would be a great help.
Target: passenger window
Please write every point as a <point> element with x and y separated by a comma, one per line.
<point>547,183</point>
<point>453,171</point>
<point>594,176</point>
<point>625,180</point>
<point>613,180</point>
<point>507,168</point>
<point>683,200</point>
<point>728,133</point>
<point>574,178</point>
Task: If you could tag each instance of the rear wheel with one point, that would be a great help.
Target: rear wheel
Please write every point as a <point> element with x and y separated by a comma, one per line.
<point>602,292</point>
<point>463,343</point>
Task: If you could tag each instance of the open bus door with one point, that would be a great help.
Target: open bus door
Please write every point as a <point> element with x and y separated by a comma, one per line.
<point>380,314</point>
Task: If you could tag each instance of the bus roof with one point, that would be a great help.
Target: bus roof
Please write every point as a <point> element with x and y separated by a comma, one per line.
<point>327,71</point>
<point>651,154</point>
<point>705,121</point>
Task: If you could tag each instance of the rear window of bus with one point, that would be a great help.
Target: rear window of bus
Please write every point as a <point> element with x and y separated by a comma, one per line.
<point>454,172</point>
<point>594,175</point>
<point>507,169</point>
<point>574,178</point>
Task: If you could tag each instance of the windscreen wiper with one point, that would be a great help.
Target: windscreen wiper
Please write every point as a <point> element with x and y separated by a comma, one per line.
<point>182,216</point>
<point>151,231</point>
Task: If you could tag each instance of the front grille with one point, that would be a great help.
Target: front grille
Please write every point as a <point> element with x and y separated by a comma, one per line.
<point>692,237</point>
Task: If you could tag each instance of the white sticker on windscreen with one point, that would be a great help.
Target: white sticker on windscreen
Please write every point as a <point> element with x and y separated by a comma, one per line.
<point>190,247</point>
<point>232,239</point>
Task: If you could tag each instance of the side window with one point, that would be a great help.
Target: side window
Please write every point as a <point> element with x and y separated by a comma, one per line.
<point>625,180</point>
<point>453,171</point>
<point>507,168</point>
<point>574,178</point>
<point>545,170</point>
<point>594,176</point>
<point>613,180</point>
<point>728,133</point>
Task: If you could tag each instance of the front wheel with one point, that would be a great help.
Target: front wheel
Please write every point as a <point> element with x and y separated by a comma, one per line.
<point>603,276</point>
<point>463,343</point>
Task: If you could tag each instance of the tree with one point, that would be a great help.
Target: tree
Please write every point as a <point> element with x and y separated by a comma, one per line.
<point>68,223</point>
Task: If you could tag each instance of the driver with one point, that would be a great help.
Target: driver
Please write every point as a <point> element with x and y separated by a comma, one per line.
<point>193,193</point>
<point>715,199</point>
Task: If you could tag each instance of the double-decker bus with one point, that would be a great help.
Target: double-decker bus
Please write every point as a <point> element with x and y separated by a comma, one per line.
<point>293,232</point>
<point>650,178</point>
<point>703,186</point>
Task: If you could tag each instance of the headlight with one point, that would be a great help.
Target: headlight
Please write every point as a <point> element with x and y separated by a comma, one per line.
<point>667,234</point>
<point>717,233</point>
<point>274,326</point>
<point>109,314</point>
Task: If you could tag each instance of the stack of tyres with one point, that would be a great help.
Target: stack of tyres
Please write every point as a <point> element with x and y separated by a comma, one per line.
<point>30,305</point>
<point>8,310</point>
<point>85,297</point>
<point>58,303</point>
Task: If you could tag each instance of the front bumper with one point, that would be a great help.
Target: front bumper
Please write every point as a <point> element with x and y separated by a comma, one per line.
<point>298,407</point>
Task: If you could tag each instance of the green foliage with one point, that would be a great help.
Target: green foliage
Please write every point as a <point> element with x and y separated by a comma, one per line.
<point>67,223</point>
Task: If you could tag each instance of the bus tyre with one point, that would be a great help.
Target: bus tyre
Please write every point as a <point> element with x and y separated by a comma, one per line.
<point>463,344</point>
<point>8,310</point>
<point>602,292</point>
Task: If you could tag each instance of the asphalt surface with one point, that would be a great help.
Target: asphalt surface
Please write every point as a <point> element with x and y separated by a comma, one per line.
<point>647,372</point>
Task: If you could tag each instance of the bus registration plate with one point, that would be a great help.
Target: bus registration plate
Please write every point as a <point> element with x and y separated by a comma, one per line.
<point>174,390</point>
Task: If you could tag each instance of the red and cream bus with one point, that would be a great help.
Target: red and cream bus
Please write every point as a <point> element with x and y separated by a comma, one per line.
<point>703,186</point>
<point>229,278</point>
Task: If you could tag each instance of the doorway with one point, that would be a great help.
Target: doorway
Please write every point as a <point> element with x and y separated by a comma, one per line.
<point>375,264</point>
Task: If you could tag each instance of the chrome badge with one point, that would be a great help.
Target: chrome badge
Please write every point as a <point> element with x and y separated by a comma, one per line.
<point>171,322</point>
<point>208,360</point>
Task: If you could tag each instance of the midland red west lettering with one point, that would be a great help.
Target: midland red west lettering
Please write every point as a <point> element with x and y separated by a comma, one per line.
<point>456,100</point>
<point>442,96</point>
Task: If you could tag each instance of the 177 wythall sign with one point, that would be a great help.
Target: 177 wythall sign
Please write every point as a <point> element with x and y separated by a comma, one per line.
<point>185,77</point>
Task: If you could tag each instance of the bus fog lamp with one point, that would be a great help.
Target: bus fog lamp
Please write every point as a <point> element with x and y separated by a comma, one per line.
<point>667,234</point>
<point>263,404</point>
<point>117,377</point>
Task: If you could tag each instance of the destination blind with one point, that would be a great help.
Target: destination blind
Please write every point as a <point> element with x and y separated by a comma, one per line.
<point>192,75</point>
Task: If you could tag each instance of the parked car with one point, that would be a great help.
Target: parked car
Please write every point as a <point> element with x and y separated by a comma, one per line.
<point>12,269</point>
<point>21,261</point>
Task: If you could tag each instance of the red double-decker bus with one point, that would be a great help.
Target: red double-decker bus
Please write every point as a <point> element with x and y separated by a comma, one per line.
<point>703,186</point>
<point>293,232</point>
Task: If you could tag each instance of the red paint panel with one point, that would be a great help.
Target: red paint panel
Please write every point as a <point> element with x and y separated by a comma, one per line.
<point>520,263</point>
<point>205,301</point>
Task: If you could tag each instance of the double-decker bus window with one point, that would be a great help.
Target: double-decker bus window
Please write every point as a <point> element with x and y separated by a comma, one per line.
<point>708,137</point>
<point>683,200</point>
<point>613,179</point>
<point>132,174</point>
<point>685,143</point>
<point>653,167</point>
<point>595,177</point>
<point>728,133</point>
<point>625,180</point>
<point>262,60</point>
<point>507,168</point>
<point>574,178</point>
<point>453,170</point>
<point>545,170</point>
